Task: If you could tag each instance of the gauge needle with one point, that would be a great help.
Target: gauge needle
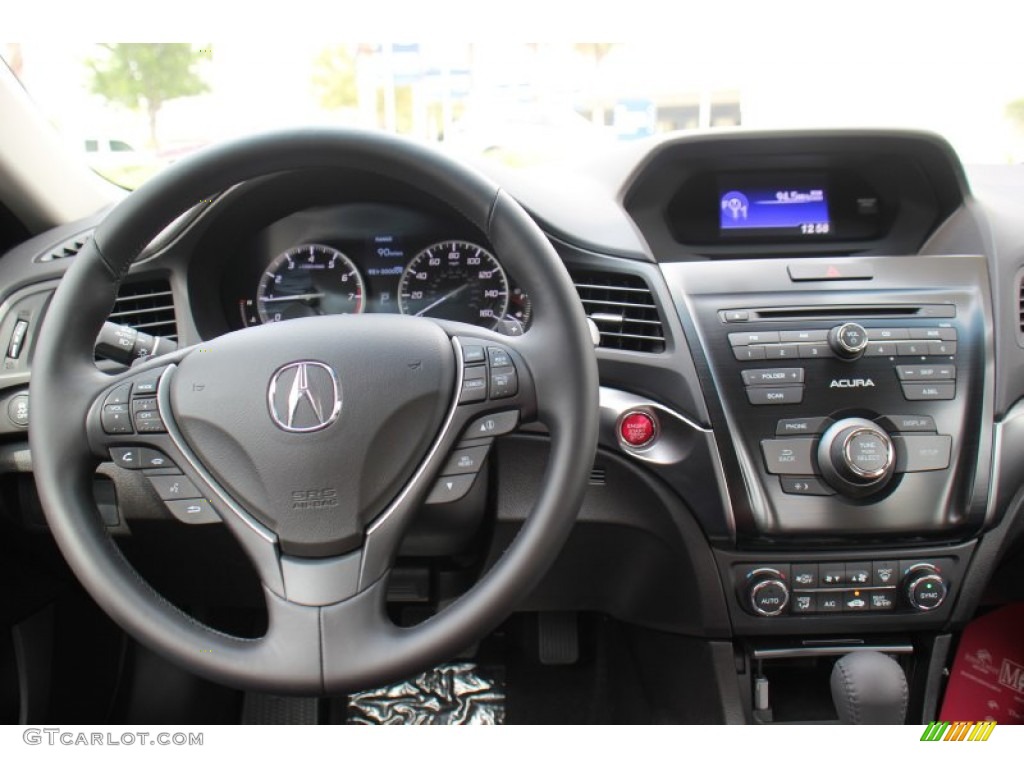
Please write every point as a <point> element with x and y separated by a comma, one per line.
<point>297,297</point>
<point>442,300</point>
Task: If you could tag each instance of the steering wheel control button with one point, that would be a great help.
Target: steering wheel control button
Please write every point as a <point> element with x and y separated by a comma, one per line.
<point>638,429</point>
<point>773,376</point>
<point>147,422</point>
<point>192,511</point>
<point>500,358</point>
<point>17,410</point>
<point>174,487</point>
<point>788,457</point>
<point>504,382</point>
<point>472,354</point>
<point>116,420</point>
<point>940,391</point>
<point>800,485</point>
<point>812,426</point>
<point>450,488</point>
<point>465,460</point>
<point>120,395</point>
<point>848,341</point>
<point>474,385</point>
<point>126,458</point>
<point>922,453</point>
<point>493,425</point>
<point>775,395</point>
<point>908,423</point>
<point>146,385</point>
<point>151,459</point>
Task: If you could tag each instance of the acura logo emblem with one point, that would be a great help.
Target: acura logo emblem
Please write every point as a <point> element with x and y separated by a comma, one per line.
<point>304,396</point>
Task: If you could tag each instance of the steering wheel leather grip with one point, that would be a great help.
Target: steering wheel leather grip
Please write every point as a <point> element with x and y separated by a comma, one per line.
<point>328,629</point>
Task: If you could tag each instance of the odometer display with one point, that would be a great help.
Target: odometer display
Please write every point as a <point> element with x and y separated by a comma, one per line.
<point>455,280</point>
<point>307,281</point>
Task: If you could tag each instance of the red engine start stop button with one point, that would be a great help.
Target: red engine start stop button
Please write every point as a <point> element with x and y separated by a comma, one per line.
<point>638,429</point>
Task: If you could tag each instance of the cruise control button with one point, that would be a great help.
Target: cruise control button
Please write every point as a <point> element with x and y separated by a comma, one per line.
<point>908,423</point>
<point>769,376</point>
<point>451,488</point>
<point>775,395</point>
<point>465,460</point>
<point>174,487</point>
<point>493,425</point>
<point>805,486</point>
<point>922,453</point>
<point>144,404</point>
<point>127,458</point>
<point>811,426</point>
<point>788,457</point>
<point>193,511</point>
<point>499,357</point>
<point>748,338</point>
<point>474,385</point>
<point>941,391</point>
<point>472,354</point>
<point>504,382</point>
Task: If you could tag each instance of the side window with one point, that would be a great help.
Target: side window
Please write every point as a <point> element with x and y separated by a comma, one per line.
<point>119,146</point>
<point>91,145</point>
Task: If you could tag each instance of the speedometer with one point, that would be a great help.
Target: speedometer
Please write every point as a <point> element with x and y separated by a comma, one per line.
<point>455,280</point>
<point>309,280</point>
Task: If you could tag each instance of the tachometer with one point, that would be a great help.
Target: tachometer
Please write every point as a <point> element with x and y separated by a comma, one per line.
<point>309,280</point>
<point>455,280</point>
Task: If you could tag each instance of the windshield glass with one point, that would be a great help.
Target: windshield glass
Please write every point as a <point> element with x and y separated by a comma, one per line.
<point>131,109</point>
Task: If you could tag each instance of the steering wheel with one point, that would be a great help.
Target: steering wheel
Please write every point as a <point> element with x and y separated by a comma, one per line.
<point>314,440</point>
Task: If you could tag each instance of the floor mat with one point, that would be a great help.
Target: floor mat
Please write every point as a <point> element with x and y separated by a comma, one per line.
<point>452,694</point>
<point>987,679</point>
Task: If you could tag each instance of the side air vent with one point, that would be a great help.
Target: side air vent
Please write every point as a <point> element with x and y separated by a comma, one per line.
<point>623,309</point>
<point>1020,308</point>
<point>68,248</point>
<point>148,306</point>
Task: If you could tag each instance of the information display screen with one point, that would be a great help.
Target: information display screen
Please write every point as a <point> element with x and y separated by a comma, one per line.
<point>793,207</point>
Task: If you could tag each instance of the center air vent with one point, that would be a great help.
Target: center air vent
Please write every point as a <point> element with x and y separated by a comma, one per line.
<point>623,309</point>
<point>148,306</point>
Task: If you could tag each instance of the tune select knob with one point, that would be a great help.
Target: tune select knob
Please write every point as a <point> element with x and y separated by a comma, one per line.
<point>848,341</point>
<point>767,593</point>
<point>856,457</point>
<point>925,588</point>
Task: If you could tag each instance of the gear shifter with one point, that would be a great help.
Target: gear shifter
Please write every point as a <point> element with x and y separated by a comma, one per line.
<point>869,688</point>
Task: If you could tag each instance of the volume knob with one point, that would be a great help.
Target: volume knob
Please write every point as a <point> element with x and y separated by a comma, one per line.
<point>848,341</point>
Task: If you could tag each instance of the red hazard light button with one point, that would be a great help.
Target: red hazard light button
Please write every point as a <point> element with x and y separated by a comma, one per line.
<point>638,429</point>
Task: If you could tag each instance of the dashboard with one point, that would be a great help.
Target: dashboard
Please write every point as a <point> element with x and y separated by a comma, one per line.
<point>810,353</point>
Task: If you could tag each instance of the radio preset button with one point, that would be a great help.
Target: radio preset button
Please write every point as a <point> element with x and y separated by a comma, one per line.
<point>912,348</point>
<point>782,351</point>
<point>746,354</point>
<point>880,349</point>
<point>811,351</point>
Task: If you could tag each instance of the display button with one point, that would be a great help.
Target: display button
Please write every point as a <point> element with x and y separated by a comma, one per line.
<point>174,487</point>
<point>941,391</point>
<point>804,575</point>
<point>193,511</point>
<point>637,429</point>
<point>472,354</point>
<point>474,384</point>
<point>17,410</point>
<point>885,573</point>
<point>499,357</point>
<point>775,395</point>
<point>770,376</point>
<point>450,488</point>
<point>941,347</point>
<point>922,453</point>
<point>811,426</point>
<point>746,354</point>
<point>830,602</point>
<point>17,339</point>
<point>781,351</point>
<point>882,600</point>
<point>855,600</point>
<point>153,459</point>
<point>788,457</point>
<point>888,334</point>
<point>126,458</point>
<point>805,602</point>
<point>832,574</point>
<point>911,348</point>
<point>880,349</point>
<point>465,460</point>
<point>908,423</point>
<point>805,486</point>
<point>858,574</point>
<point>802,336</point>
<point>811,351</point>
<point>748,338</point>
<point>493,425</point>
<point>926,372</point>
<point>936,334</point>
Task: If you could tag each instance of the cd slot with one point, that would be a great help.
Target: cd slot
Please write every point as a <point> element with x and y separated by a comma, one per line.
<point>851,311</point>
